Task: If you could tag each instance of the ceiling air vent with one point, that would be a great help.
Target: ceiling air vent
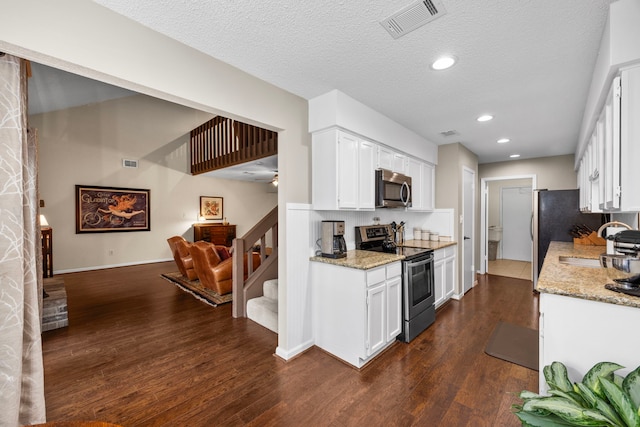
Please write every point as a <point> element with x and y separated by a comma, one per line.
<point>127,163</point>
<point>448,133</point>
<point>413,16</point>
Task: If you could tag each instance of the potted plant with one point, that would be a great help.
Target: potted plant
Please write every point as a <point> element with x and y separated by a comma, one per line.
<point>602,398</point>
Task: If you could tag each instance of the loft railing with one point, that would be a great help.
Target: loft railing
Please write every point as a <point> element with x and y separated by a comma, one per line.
<point>244,290</point>
<point>223,142</point>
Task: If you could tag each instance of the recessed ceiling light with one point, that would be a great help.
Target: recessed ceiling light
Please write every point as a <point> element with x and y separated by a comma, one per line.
<point>503,140</point>
<point>485,118</point>
<point>513,156</point>
<point>443,63</point>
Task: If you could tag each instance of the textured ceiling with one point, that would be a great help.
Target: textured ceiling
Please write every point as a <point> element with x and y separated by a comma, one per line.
<point>527,62</point>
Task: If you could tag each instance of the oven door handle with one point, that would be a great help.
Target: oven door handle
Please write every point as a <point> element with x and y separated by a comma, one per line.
<point>411,264</point>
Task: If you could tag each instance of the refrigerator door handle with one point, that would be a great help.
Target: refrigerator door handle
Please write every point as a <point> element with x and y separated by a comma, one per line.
<point>531,226</point>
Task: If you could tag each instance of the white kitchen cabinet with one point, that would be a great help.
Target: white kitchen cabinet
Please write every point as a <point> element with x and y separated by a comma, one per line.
<point>444,269</point>
<point>385,157</point>
<point>343,171</point>
<point>356,313</point>
<point>422,184</point>
<point>392,160</point>
<point>572,341</point>
<point>608,165</point>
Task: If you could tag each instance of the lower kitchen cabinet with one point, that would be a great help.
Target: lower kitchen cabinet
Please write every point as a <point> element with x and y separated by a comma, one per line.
<point>444,273</point>
<point>356,313</point>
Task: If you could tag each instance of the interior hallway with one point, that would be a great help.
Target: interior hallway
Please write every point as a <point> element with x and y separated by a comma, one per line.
<point>140,352</point>
<point>511,268</point>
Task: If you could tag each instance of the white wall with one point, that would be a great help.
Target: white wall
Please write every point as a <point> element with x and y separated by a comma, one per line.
<point>552,173</point>
<point>86,145</point>
<point>85,38</point>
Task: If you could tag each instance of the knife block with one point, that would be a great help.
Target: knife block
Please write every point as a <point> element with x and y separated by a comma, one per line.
<point>590,240</point>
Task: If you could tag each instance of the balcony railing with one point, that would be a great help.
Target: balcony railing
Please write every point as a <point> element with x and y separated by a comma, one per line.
<point>223,142</point>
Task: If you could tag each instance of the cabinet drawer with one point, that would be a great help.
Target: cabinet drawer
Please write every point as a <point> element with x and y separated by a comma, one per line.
<point>439,254</point>
<point>376,276</point>
<point>394,270</point>
<point>449,251</point>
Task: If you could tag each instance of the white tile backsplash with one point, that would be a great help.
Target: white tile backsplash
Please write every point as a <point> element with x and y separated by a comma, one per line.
<point>441,220</point>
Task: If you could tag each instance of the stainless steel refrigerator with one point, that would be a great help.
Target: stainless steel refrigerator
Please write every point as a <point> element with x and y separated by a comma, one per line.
<point>555,213</point>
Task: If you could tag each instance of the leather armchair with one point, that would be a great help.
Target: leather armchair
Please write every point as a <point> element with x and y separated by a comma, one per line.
<point>213,272</point>
<point>182,256</point>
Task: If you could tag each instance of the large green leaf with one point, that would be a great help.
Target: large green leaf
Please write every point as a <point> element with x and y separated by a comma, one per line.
<point>596,402</point>
<point>620,402</point>
<point>557,377</point>
<point>600,370</point>
<point>568,411</point>
<point>532,420</point>
<point>631,385</point>
<point>572,396</point>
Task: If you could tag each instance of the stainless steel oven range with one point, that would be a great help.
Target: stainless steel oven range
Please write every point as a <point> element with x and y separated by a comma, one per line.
<point>418,297</point>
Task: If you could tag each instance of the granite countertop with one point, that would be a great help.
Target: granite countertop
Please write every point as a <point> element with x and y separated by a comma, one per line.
<point>579,282</point>
<point>427,244</point>
<point>361,260</point>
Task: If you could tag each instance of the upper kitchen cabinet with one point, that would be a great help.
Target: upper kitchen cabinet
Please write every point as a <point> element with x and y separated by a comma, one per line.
<point>607,166</point>
<point>422,184</point>
<point>343,171</point>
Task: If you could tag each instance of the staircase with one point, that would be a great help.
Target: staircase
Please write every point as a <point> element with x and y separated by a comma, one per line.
<point>264,310</point>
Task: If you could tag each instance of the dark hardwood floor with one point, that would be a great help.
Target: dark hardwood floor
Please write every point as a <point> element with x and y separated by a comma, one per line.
<point>140,352</point>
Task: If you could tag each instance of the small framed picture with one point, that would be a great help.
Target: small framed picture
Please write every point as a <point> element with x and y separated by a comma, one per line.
<point>211,207</point>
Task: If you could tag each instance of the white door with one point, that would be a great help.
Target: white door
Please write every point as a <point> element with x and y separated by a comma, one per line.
<point>516,223</point>
<point>468,218</point>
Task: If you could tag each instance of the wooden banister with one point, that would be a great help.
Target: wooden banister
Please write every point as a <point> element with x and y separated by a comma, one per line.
<point>223,142</point>
<point>244,290</point>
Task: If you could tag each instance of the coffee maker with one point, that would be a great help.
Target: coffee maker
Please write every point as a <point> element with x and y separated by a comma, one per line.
<point>333,244</point>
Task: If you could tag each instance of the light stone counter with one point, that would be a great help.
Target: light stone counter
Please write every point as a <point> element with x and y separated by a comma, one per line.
<point>579,282</point>
<point>361,260</point>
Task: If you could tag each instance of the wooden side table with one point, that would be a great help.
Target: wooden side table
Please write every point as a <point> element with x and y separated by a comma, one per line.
<point>215,233</point>
<point>46,234</point>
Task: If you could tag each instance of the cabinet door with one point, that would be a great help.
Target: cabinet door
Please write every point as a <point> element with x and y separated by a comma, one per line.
<point>439,281</point>
<point>428,187</point>
<point>385,158</point>
<point>366,173</point>
<point>414,170</point>
<point>394,308</point>
<point>347,171</point>
<point>399,163</point>
<point>450,276</point>
<point>376,318</point>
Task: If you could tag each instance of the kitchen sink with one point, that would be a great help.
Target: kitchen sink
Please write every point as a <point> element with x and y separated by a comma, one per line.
<point>579,262</point>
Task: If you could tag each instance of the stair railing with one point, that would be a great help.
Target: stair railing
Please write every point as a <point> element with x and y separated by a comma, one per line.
<point>244,290</point>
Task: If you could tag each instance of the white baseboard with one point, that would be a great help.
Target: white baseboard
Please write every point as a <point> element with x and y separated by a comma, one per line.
<point>288,354</point>
<point>102,267</point>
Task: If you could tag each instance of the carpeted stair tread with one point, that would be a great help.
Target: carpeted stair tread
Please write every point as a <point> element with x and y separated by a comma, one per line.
<point>264,311</point>
<point>270,289</point>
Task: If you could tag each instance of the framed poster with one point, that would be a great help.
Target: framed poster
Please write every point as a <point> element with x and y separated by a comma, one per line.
<point>210,207</point>
<point>106,209</point>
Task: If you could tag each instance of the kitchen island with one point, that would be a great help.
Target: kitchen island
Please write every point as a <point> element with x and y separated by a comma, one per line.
<point>581,322</point>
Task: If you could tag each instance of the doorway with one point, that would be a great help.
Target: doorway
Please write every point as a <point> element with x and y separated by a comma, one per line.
<point>468,220</point>
<point>506,212</point>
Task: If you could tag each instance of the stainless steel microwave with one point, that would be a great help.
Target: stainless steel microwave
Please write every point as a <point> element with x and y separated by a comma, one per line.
<point>393,190</point>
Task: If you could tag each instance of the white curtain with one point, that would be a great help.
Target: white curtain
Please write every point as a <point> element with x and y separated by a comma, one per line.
<point>21,370</point>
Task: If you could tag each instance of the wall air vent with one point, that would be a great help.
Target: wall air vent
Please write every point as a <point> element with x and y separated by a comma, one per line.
<point>128,163</point>
<point>413,16</point>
